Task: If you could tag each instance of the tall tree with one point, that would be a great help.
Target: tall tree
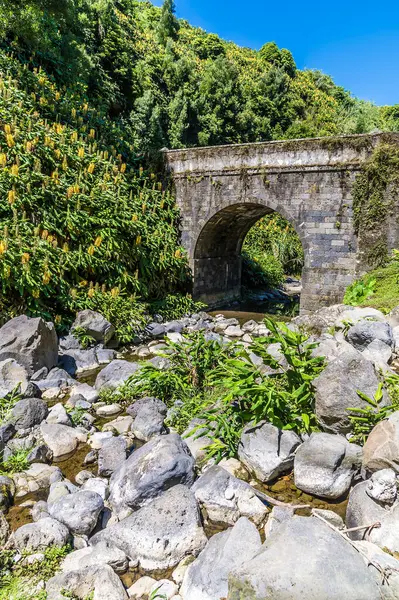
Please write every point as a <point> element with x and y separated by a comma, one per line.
<point>168,24</point>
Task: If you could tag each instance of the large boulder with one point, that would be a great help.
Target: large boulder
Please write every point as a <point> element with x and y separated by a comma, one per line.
<point>385,568</point>
<point>28,412</point>
<point>103,553</point>
<point>39,536</point>
<point>98,582</point>
<point>325,464</point>
<point>114,374</point>
<point>381,449</point>
<point>267,450</point>
<point>13,376</point>
<point>160,534</point>
<point>31,342</point>
<point>365,332</point>
<point>158,465</point>
<point>37,478</point>
<point>363,509</point>
<point>61,439</point>
<point>227,498</point>
<point>111,456</point>
<point>94,325</point>
<point>304,558</point>
<point>337,386</point>
<point>149,415</point>
<point>206,577</point>
<point>78,511</point>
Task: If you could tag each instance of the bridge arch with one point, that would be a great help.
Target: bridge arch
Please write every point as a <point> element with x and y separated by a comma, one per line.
<point>222,191</point>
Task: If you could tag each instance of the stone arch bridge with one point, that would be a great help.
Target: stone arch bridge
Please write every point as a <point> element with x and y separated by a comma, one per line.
<point>223,190</point>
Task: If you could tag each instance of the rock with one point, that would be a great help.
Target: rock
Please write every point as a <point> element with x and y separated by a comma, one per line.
<point>382,486</point>
<point>304,559</point>
<point>4,529</point>
<point>325,464</point>
<point>174,326</point>
<point>165,589</point>
<point>58,415</point>
<point>99,579</point>
<point>37,477</point>
<point>388,572</point>
<point>78,401</point>
<point>180,570</point>
<point>28,412</point>
<point>148,402</point>
<point>223,324</point>
<point>56,378</point>
<point>83,476</point>
<point>114,374</point>
<point>233,331</point>
<point>87,391</point>
<point>99,438</point>
<point>78,361</point>
<point>197,442</point>
<point>159,464</point>
<point>149,421</point>
<point>365,332</point>
<point>105,356</point>
<point>227,498</point>
<point>7,491</point>
<point>7,432</point>
<point>353,315</point>
<point>378,353</point>
<point>249,326</point>
<point>59,489</point>
<point>119,425</point>
<point>13,376</point>
<point>108,410</point>
<point>387,536</point>
<point>141,588</point>
<point>79,511</point>
<point>362,509</point>
<point>337,386</point>
<point>61,440</point>
<point>98,485</point>
<point>267,450</point>
<point>40,454</point>
<point>155,330</point>
<point>162,533</point>
<point>174,337</point>
<point>94,325</point>
<point>381,449</point>
<point>111,456</point>
<point>207,577</point>
<point>103,553</point>
<point>39,510</point>
<point>39,536</point>
<point>278,515</point>
<point>31,342</point>
<point>330,516</point>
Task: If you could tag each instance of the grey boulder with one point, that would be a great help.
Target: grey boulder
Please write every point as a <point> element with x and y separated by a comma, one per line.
<point>381,449</point>
<point>111,456</point>
<point>103,553</point>
<point>267,450</point>
<point>31,342</point>
<point>114,374</point>
<point>337,386</point>
<point>207,577</point>
<point>28,412</point>
<point>325,465</point>
<point>98,579</point>
<point>363,509</point>
<point>79,511</point>
<point>40,535</point>
<point>61,439</point>
<point>227,498</point>
<point>149,418</point>
<point>365,332</point>
<point>160,534</point>
<point>94,325</point>
<point>13,376</point>
<point>160,464</point>
<point>304,558</point>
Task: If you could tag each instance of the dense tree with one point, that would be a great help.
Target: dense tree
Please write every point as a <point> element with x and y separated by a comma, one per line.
<point>168,24</point>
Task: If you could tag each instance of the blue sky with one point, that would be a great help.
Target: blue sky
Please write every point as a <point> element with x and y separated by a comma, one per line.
<point>355,42</point>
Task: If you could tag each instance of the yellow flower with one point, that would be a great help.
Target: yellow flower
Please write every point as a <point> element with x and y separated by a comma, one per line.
<point>115,292</point>
<point>64,164</point>
<point>3,159</point>
<point>25,258</point>
<point>91,249</point>
<point>178,254</point>
<point>91,292</point>
<point>91,168</point>
<point>7,272</point>
<point>3,247</point>
<point>123,167</point>
<point>7,128</point>
<point>74,136</point>
<point>10,140</point>
<point>73,113</point>
<point>29,146</point>
<point>81,152</point>
<point>76,188</point>
<point>11,196</point>
<point>57,95</point>
<point>42,80</point>
<point>83,283</point>
<point>65,247</point>
<point>98,241</point>
<point>44,234</point>
<point>57,153</point>
<point>36,293</point>
<point>14,170</point>
<point>92,133</point>
<point>46,277</point>
<point>135,218</point>
<point>138,240</point>
<point>57,319</point>
<point>69,192</point>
